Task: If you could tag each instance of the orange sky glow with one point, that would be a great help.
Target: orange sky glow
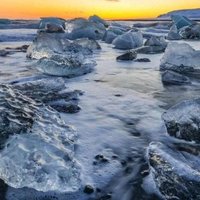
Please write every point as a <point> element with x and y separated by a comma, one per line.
<point>108,9</point>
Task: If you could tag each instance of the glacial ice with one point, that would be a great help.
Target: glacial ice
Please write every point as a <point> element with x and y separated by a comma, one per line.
<point>174,170</point>
<point>46,45</point>
<point>51,20</point>
<point>82,28</point>
<point>109,36</point>
<point>69,66</point>
<point>37,147</point>
<point>181,21</point>
<point>98,20</point>
<point>51,92</point>
<point>190,32</point>
<point>173,33</point>
<point>156,41</point>
<point>183,120</point>
<point>129,40</point>
<point>118,30</point>
<point>88,44</point>
<point>113,31</point>
<point>180,57</point>
<point>174,78</point>
<point>153,45</point>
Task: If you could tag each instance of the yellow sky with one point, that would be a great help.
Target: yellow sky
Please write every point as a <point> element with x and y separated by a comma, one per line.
<point>109,9</point>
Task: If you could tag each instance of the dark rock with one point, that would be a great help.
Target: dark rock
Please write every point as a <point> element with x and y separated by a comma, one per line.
<point>128,170</point>
<point>3,190</point>
<point>100,81</point>
<point>88,189</point>
<point>130,123</point>
<point>22,48</point>
<point>101,159</point>
<point>150,49</point>
<point>124,163</point>
<point>106,197</point>
<point>95,163</point>
<point>130,55</point>
<point>135,133</point>
<point>118,95</point>
<point>115,157</point>
<point>142,60</point>
<point>98,190</point>
<point>144,170</point>
<point>66,108</point>
<point>104,160</point>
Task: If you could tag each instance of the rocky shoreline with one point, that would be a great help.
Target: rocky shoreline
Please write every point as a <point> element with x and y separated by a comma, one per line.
<point>46,167</point>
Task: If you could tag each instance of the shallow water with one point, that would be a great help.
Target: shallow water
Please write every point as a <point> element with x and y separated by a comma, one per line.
<point>121,113</point>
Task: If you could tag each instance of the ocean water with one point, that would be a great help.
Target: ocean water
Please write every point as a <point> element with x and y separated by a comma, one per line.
<point>120,113</point>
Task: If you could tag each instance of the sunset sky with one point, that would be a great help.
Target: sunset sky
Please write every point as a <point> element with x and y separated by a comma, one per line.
<point>109,9</point>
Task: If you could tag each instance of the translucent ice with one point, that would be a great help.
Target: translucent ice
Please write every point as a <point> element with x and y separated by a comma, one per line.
<point>180,57</point>
<point>37,146</point>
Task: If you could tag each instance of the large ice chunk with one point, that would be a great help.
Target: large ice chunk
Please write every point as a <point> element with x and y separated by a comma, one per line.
<point>113,31</point>
<point>37,146</point>
<point>181,21</point>
<point>82,28</point>
<point>69,66</point>
<point>173,33</point>
<point>180,57</point>
<point>183,120</point>
<point>129,40</point>
<point>174,171</point>
<point>153,45</point>
<point>109,36</point>
<point>156,41</point>
<point>190,32</point>
<point>46,45</point>
<point>51,92</point>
